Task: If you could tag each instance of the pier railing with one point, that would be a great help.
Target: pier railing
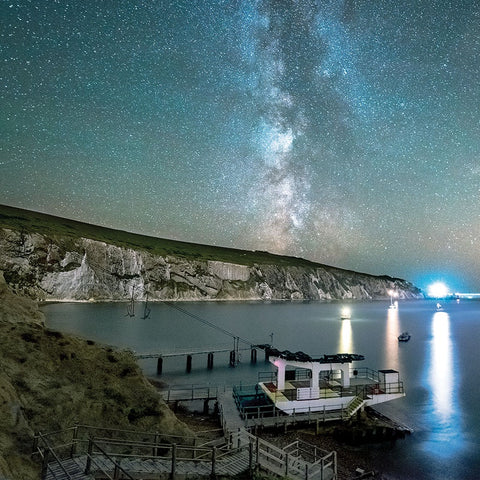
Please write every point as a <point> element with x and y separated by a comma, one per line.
<point>326,376</point>
<point>113,457</point>
<point>252,403</point>
<point>298,460</point>
<point>110,454</point>
<point>192,392</point>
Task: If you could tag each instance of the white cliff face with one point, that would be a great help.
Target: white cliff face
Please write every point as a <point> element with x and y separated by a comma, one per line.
<point>81,269</point>
<point>228,271</point>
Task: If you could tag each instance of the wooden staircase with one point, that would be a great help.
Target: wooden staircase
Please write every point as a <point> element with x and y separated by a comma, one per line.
<point>356,404</point>
<point>69,469</point>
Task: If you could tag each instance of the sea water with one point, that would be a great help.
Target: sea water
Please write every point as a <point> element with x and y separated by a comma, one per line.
<point>439,365</point>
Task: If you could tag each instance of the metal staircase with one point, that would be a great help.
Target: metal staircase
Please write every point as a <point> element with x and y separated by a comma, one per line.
<point>356,404</point>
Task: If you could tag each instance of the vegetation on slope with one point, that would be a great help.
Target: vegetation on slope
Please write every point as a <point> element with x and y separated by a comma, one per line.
<point>29,221</point>
<point>50,381</point>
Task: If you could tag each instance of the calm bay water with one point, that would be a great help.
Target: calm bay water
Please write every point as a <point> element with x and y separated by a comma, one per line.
<point>439,365</point>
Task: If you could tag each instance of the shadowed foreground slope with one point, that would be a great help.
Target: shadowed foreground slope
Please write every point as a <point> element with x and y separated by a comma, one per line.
<point>50,381</point>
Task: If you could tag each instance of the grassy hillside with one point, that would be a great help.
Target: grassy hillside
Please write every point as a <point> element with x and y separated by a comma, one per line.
<point>50,381</point>
<point>29,221</point>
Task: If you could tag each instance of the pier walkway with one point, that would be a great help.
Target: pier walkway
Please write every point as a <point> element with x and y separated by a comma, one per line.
<point>229,415</point>
<point>184,353</point>
<point>188,354</point>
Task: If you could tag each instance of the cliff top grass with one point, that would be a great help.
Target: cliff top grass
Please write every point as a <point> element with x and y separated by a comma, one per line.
<point>52,226</point>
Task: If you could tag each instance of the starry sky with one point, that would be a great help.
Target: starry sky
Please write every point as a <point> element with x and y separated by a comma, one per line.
<point>344,132</point>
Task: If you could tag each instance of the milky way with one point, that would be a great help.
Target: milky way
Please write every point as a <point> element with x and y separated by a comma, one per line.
<point>345,132</point>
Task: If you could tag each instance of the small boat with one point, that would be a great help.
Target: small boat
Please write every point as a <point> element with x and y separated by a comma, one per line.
<point>439,307</point>
<point>345,314</point>
<point>404,337</point>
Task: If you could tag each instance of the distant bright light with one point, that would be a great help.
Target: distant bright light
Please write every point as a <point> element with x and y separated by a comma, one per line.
<point>438,290</point>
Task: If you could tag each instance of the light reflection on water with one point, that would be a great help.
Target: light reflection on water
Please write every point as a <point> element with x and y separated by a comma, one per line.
<point>392,331</point>
<point>445,437</point>
<point>345,343</point>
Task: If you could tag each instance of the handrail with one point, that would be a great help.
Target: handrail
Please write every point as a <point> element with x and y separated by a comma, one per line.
<point>116,464</point>
<point>282,462</point>
<point>51,451</point>
<point>150,446</point>
<point>91,459</point>
<point>89,429</point>
<point>274,459</point>
<point>190,393</point>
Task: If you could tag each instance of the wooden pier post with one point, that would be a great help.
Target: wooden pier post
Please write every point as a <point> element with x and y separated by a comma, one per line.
<point>159,365</point>
<point>189,363</point>
<point>210,361</point>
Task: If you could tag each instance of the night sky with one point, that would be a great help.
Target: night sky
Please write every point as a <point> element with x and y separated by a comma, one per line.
<point>344,132</point>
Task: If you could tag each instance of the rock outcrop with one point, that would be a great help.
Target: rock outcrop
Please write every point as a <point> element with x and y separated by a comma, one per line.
<point>68,268</point>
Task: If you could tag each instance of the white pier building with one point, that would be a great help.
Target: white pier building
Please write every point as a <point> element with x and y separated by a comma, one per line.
<point>303,384</point>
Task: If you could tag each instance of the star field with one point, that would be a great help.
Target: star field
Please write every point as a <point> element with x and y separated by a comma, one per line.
<point>344,132</point>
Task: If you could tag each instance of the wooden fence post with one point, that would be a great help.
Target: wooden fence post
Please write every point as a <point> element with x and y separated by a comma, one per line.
<point>250,457</point>
<point>174,461</point>
<point>214,459</point>
<point>116,472</point>
<point>35,444</point>
<point>73,448</point>
<point>155,448</point>
<point>89,456</point>
<point>45,463</point>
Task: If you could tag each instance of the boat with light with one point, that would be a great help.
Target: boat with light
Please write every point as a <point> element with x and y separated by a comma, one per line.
<point>404,337</point>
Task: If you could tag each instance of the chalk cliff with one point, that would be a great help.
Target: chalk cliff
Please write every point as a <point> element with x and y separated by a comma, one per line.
<point>69,268</point>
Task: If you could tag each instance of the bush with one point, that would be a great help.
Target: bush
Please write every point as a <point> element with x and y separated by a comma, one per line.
<point>29,337</point>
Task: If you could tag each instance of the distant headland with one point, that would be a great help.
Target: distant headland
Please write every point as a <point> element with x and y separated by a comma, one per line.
<point>49,258</point>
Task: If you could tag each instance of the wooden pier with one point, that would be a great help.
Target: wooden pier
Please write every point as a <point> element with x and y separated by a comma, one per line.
<point>234,356</point>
